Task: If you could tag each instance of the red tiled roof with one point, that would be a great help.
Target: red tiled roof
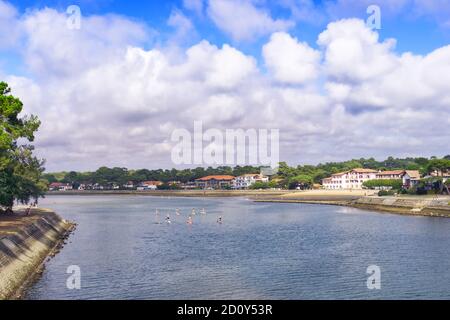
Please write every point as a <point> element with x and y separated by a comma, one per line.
<point>414,174</point>
<point>339,173</point>
<point>57,184</point>
<point>364,170</point>
<point>391,172</point>
<point>217,177</point>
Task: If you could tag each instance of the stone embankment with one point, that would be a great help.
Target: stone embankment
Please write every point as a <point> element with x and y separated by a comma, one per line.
<point>26,241</point>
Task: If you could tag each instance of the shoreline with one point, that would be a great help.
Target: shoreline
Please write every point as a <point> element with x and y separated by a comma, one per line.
<point>380,205</point>
<point>26,244</point>
<point>429,206</point>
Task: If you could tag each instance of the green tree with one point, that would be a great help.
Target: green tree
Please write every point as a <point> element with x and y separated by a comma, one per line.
<point>439,165</point>
<point>302,181</point>
<point>20,171</point>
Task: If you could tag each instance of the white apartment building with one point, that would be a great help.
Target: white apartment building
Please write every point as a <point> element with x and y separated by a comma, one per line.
<point>246,180</point>
<point>352,179</point>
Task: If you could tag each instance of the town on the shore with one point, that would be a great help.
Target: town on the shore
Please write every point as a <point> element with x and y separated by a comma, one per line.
<point>432,176</point>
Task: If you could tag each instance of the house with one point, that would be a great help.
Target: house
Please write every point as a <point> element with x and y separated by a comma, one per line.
<point>389,175</point>
<point>215,182</point>
<point>355,178</point>
<point>97,186</point>
<point>190,185</point>
<point>246,180</point>
<point>410,178</point>
<point>149,185</point>
<point>445,175</point>
<point>352,179</point>
<point>129,185</point>
<point>59,186</point>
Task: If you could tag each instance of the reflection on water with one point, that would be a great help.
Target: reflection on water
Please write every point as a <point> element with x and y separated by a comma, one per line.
<point>260,251</point>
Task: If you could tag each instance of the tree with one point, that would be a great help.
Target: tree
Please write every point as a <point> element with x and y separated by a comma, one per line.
<point>439,165</point>
<point>20,171</point>
<point>302,181</point>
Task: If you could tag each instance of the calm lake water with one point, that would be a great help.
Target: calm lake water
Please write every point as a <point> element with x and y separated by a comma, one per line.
<point>261,251</point>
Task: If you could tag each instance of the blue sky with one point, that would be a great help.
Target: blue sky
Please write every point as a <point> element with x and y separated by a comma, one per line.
<point>138,70</point>
<point>416,31</point>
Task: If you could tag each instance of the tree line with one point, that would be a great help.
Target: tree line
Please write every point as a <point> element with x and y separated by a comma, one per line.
<point>290,177</point>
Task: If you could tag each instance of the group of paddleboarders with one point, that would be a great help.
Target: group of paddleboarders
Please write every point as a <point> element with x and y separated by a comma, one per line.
<point>190,219</point>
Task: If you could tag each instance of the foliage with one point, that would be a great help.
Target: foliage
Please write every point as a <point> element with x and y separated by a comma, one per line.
<point>287,176</point>
<point>395,184</point>
<point>302,181</point>
<point>383,193</point>
<point>167,186</point>
<point>264,185</point>
<point>20,171</point>
<point>439,165</point>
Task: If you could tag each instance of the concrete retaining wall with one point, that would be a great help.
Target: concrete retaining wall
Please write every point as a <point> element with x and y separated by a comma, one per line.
<point>413,206</point>
<point>23,252</point>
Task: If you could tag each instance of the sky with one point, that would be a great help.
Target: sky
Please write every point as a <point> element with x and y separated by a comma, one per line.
<point>113,91</point>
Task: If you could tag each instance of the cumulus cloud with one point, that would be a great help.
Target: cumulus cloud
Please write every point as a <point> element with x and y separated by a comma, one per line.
<point>353,52</point>
<point>184,29</point>
<point>53,49</point>
<point>194,5</point>
<point>10,26</point>
<point>242,20</point>
<point>104,99</point>
<point>289,60</point>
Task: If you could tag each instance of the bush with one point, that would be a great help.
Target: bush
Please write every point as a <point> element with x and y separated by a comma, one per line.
<point>167,186</point>
<point>395,184</point>
<point>383,193</point>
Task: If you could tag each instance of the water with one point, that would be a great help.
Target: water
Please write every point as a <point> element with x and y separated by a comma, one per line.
<point>261,251</point>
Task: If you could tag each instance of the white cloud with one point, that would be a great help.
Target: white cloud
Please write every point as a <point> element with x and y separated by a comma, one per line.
<point>53,49</point>
<point>9,25</point>
<point>242,20</point>
<point>194,5</point>
<point>289,60</point>
<point>353,52</point>
<point>105,100</point>
<point>184,29</point>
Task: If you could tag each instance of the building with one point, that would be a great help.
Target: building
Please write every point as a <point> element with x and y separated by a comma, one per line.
<point>389,175</point>
<point>410,178</point>
<point>129,185</point>
<point>247,180</point>
<point>190,185</point>
<point>149,185</point>
<point>215,182</point>
<point>355,178</point>
<point>59,186</point>
<point>445,175</point>
<point>352,179</point>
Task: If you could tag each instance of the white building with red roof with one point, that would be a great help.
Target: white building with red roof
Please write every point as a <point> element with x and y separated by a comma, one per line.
<point>352,179</point>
